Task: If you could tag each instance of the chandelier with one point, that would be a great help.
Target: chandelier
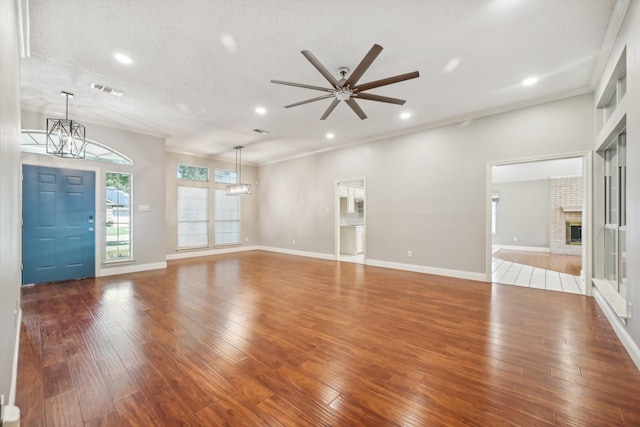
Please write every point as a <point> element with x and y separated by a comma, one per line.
<point>66,138</point>
<point>238,188</point>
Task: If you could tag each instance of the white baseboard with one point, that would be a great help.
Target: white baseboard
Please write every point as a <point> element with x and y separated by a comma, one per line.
<point>467,275</point>
<point>496,248</point>
<point>386,264</point>
<point>618,326</point>
<point>14,367</point>
<point>319,255</point>
<point>209,252</point>
<point>132,268</point>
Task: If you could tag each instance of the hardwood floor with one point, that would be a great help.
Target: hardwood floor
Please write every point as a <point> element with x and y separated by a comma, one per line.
<point>568,264</point>
<point>264,339</point>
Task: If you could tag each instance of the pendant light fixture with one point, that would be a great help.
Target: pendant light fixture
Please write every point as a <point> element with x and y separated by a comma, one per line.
<point>238,189</point>
<point>66,138</point>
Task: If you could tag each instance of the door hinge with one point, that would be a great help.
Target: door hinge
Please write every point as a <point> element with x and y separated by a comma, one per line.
<point>21,266</point>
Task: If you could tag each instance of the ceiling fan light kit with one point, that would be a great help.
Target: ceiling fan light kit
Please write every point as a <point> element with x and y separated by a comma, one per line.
<point>346,89</point>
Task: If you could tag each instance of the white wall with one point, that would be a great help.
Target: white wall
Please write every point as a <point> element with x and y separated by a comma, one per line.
<point>426,191</point>
<point>629,36</point>
<point>148,156</point>
<point>248,204</point>
<point>10,183</point>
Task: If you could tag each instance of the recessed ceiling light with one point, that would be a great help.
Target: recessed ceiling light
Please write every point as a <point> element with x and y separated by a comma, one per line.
<point>451,65</point>
<point>229,42</point>
<point>529,81</point>
<point>330,135</point>
<point>261,110</point>
<point>122,58</point>
<point>405,115</point>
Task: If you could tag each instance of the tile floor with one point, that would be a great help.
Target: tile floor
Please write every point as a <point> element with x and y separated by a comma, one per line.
<point>512,273</point>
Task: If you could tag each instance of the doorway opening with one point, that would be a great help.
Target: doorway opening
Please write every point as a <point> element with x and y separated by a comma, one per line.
<point>350,230</point>
<point>537,211</point>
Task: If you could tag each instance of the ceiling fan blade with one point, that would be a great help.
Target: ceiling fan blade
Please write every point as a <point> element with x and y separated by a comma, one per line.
<point>327,75</point>
<point>356,108</point>
<point>331,107</point>
<point>280,82</point>
<point>363,65</point>
<point>387,81</point>
<point>372,97</point>
<point>310,100</point>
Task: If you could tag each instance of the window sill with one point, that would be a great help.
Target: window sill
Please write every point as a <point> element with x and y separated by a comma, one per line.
<point>617,302</point>
<point>119,261</point>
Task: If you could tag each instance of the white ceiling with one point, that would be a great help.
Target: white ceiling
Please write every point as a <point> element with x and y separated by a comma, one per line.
<point>201,67</point>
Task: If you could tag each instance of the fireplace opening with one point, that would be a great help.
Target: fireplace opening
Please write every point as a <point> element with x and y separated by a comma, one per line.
<point>574,232</point>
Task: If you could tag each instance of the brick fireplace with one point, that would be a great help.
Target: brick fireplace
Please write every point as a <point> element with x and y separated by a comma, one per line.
<point>566,215</point>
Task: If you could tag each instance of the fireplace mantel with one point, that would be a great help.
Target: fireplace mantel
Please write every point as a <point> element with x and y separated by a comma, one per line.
<point>572,208</point>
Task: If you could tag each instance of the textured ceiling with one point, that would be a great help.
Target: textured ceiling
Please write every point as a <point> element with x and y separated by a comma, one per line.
<point>200,68</point>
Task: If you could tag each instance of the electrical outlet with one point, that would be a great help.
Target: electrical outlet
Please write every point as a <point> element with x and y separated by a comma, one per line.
<point>409,254</point>
<point>246,239</point>
<point>293,243</point>
<point>515,238</point>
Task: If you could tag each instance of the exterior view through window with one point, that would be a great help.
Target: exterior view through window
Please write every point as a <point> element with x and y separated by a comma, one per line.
<point>118,218</point>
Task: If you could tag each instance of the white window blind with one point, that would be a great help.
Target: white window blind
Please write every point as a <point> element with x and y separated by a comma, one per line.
<point>227,218</point>
<point>193,217</point>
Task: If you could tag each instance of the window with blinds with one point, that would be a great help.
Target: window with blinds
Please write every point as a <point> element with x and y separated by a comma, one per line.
<point>193,217</point>
<point>227,218</point>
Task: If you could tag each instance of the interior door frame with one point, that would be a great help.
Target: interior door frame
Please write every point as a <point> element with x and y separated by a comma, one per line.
<point>74,165</point>
<point>587,185</point>
<point>336,199</point>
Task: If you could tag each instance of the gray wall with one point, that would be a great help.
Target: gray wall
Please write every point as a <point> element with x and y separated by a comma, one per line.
<point>426,191</point>
<point>148,156</point>
<point>248,204</point>
<point>629,36</point>
<point>10,208</point>
<point>522,212</point>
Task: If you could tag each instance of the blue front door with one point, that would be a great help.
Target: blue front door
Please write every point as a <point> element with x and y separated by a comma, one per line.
<point>58,234</point>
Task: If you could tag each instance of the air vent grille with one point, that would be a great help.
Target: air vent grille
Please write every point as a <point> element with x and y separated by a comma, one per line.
<point>107,89</point>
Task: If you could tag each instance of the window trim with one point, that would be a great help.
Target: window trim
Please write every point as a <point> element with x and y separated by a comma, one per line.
<point>130,258</point>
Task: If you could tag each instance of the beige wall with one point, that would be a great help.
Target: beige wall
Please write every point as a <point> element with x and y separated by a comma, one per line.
<point>522,212</point>
<point>426,191</point>
<point>10,208</point>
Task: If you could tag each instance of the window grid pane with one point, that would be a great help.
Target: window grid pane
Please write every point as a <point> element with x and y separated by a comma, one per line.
<point>227,218</point>
<point>193,173</point>
<point>193,217</point>
<point>225,177</point>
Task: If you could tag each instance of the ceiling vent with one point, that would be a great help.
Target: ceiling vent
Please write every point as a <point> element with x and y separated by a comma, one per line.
<point>106,89</point>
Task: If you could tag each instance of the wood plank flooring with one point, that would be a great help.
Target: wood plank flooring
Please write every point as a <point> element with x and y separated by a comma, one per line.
<point>264,339</point>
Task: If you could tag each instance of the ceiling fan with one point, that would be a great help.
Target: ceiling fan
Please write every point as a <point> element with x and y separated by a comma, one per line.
<point>346,89</point>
